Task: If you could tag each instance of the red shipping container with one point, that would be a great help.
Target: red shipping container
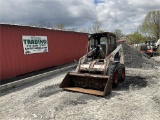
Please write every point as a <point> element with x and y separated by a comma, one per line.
<point>63,47</point>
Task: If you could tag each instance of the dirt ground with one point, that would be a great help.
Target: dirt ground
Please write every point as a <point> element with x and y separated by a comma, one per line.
<point>137,98</point>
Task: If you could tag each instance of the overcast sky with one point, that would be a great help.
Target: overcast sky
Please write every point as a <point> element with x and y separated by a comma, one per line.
<point>113,14</point>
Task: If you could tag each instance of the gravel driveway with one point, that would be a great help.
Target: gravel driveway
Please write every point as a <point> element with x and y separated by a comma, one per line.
<point>137,98</point>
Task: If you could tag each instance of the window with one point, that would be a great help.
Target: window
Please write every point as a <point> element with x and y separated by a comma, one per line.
<point>103,41</point>
<point>93,43</point>
<point>112,38</point>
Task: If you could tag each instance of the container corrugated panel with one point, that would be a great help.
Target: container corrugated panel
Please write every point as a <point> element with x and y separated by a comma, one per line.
<point>63,47</point>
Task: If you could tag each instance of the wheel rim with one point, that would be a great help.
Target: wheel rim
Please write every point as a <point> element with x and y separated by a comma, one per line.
<point>116,77</point>
<point>123,73</point>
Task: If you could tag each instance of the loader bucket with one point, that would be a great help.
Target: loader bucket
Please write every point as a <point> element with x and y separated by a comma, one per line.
<point>86,83</point>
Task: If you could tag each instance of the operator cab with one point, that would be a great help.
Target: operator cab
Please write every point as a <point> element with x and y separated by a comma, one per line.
<point>102,44</point>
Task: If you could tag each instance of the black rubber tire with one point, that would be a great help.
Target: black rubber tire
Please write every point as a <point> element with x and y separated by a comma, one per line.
<point>121,72</point>
<point>113,72</point>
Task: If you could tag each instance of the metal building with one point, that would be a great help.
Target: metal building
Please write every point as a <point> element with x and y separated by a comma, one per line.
<point>25,49</point>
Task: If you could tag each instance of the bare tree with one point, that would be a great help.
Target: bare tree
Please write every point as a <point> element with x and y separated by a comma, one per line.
<point>44,24</point>
<point>60,26</point>
<point>119,34</point>
<point>95,27</point>
<point>151,24</point>
<point>84,30</point>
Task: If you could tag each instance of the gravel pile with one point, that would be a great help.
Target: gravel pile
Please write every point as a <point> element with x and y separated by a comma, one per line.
<point>135,59</point>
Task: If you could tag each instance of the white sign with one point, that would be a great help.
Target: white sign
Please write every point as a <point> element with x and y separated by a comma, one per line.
<point>35,44</point>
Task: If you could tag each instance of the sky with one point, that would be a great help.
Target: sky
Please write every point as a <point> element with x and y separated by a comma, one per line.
<point>126,15</point>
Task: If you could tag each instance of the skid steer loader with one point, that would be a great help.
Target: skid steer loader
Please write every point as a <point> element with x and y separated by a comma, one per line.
<point>100,69</point>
